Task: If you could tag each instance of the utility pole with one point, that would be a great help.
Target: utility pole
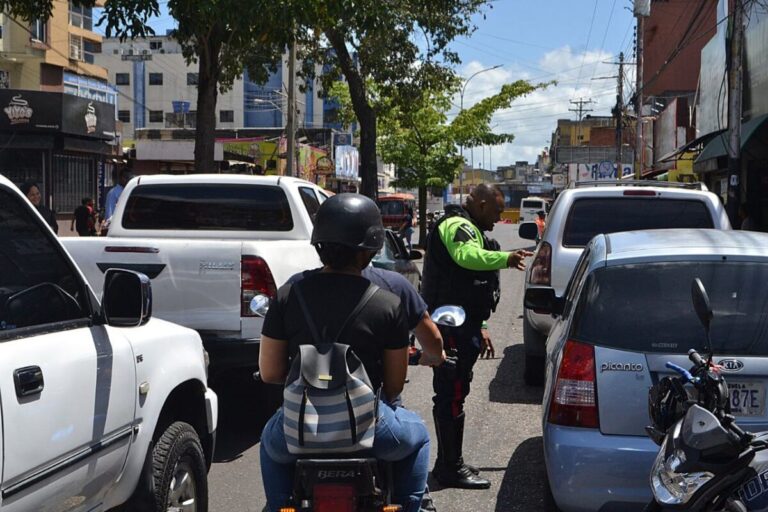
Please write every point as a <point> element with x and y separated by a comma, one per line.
<point>639,149</point>
<point>580,111</point>
<point>619,117</point>
<point>290,127</point>
<point>735,84</point>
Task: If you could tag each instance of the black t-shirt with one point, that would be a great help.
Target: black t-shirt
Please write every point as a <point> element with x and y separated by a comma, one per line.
<point>413,305</point>
<point>330,298</point>
<point>82,213</point>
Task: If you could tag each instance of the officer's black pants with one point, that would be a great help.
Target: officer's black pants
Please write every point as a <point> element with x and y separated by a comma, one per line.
<point>451,385</point>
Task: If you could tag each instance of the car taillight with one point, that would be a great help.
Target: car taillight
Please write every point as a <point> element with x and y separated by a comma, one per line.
<point>255,279</point>
<point>634,192</point>
<point>574,398</point>
<point>334,498</point>
<point>541,268</point>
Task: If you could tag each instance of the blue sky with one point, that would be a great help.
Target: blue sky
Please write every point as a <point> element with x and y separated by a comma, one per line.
<point>563,40</point>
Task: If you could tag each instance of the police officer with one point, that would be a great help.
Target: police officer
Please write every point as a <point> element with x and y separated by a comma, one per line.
<point>462,267</point>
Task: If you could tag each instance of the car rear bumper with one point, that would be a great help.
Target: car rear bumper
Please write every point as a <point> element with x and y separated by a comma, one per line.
<point>229,353</point>
<point>590,471</point>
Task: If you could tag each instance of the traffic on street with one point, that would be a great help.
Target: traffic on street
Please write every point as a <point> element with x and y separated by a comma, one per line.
<point>402,256</point>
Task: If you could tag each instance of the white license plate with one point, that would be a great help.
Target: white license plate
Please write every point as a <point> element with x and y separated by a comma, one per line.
<point>747,398</point>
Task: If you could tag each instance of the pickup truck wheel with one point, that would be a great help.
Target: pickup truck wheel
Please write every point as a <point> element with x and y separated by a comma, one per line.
<point>535,346</point>
<point>179,471</point>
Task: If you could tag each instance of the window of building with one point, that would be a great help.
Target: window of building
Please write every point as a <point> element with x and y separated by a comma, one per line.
<point>39,30</point>
<point>155,45</point>
<point>81,16</point>
<point>122,79</point>
<point>227,116</point>
<point>90,49</point>
<point>75,47</point>
<point>155,116</point>
<point>193,78</point>
<point>124,115</point>
<point>155,79</point>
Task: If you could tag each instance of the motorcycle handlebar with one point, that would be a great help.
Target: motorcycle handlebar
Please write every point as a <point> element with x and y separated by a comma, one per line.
<point>696,358</point>
<point>685,374</point>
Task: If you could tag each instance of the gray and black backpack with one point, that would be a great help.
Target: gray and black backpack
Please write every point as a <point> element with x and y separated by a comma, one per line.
<point>329,404</point>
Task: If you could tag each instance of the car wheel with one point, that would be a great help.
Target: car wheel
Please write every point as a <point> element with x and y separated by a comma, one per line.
<point>179,471</point>
<point>535,344</point>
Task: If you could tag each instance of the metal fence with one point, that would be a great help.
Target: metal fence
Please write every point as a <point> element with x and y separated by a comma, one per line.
<point>74,177</point>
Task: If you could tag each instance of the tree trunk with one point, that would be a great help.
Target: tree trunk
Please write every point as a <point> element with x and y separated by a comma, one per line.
<point>207,94</point>
<point>366,116</point>
<point>423,216</point>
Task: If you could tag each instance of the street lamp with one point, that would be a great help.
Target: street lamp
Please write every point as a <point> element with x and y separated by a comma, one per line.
<point>461,109</point>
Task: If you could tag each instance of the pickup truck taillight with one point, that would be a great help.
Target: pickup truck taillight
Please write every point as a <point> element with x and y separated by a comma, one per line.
<point>541,269</point>
<point>255,279</point>
<point>574,397</point>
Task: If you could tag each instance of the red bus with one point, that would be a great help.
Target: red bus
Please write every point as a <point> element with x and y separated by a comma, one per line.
<point>394,208</point>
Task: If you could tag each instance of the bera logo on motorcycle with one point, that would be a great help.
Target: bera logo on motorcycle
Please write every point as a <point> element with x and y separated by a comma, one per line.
<point>327,473</point>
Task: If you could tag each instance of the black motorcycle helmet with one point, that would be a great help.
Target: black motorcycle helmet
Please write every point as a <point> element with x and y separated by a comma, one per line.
<point>351,220</point>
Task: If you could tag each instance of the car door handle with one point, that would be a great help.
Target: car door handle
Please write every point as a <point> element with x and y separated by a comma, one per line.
<point>28,381</point>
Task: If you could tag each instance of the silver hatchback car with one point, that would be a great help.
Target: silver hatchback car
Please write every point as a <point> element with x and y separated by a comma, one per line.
<point>625,313</point>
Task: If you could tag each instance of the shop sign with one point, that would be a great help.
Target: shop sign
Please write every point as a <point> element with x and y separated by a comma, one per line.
<point>324,166</point>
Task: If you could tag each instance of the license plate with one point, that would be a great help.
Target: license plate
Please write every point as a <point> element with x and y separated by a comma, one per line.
<point>747,398</point>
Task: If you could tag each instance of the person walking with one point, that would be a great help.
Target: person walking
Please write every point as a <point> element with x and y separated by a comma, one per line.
<point>32,191</point>
<point>84,219</point>
<point>114,193</point>
<point>348,232</point>
<point>406,228</point>
<point>461,267</point>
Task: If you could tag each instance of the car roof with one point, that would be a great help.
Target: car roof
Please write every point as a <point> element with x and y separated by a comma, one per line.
<point>157,179</point>
<point>634,191</point>
<point>684,243</point>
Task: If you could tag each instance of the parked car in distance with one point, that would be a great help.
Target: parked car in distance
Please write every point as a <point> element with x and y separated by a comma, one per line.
<point>591,208</point>
<point>625,313</point>
<point>102,405</point>
<point>394,256</point>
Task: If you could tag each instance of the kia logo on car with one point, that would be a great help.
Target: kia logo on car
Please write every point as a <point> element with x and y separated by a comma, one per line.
<point>731,365</point>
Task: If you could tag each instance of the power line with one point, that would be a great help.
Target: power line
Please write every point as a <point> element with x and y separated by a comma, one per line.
<point>589,36</point>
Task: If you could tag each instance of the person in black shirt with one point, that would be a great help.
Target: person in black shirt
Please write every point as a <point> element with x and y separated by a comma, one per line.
<point>84,221</point>
<point>348,232</point>
<point>32,191</point>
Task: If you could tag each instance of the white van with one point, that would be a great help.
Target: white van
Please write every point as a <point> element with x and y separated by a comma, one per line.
<point>529,206</point>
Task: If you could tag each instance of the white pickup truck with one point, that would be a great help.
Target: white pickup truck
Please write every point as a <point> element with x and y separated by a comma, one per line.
<point>100,404</point>
<point>210,244</point>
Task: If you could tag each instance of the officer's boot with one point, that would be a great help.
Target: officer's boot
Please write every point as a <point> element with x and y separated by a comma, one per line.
<point>460,426</point>
<point>450,470</point>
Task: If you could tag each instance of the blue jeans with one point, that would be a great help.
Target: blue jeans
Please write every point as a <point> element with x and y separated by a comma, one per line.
<point>401,438</point>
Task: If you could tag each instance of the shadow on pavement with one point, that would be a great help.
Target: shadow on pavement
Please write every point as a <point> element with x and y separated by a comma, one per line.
<point>245,406</point>
<point>507,387</point>
<point>525,486</point>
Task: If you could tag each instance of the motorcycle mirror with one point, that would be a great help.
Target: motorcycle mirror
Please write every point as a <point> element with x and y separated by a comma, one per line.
<point>450,316</point>
<point>701,303</point>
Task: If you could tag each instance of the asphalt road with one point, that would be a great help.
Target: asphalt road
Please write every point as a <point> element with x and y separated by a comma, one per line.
<point>503,432</point>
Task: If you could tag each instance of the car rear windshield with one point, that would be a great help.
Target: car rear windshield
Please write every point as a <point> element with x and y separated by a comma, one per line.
<point>648,307</point>
<point>200,207</point>
<point>533,204</point>
<point>590,217</point>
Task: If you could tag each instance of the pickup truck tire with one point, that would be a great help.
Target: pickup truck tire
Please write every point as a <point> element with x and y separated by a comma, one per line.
<point>534,344</point>
<point>179,471</point>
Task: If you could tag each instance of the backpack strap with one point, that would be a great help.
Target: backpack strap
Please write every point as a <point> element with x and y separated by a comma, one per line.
<point>367,296</point>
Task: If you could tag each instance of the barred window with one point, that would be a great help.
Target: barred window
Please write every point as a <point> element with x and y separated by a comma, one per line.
<point>74,178</point>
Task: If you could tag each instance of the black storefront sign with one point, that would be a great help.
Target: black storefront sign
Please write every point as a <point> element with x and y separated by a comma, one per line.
<point>51,112</point>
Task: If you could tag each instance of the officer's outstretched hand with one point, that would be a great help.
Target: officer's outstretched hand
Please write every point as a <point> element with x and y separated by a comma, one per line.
<point>516,259</point>
<point>486,349</point>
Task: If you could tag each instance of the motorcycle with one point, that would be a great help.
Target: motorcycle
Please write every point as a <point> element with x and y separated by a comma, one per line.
<point>706,461</point>
<point>355,484</point>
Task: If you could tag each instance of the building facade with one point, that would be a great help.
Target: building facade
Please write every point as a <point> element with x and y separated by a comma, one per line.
<point>159,90</point>
<point>57,109</point>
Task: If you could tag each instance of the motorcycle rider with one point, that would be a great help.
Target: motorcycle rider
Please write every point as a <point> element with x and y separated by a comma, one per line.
<point>348,232</point>
<point>462,267</point>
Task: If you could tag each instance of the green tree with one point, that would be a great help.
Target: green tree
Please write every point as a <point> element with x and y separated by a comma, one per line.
<point>221,35</point>
<point>400,45</point>
<point>421,142</point>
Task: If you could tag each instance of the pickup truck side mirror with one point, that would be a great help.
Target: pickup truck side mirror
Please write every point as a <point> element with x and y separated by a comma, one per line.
<point>127,298</point>
<point>528,231</point>
<point>542,299</point>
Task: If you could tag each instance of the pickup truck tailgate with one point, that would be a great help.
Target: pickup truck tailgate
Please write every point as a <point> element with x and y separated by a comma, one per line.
<point>195,289</point>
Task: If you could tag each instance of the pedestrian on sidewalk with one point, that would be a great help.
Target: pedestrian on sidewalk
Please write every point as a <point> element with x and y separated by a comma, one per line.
<point>462,267</point>
<point>406,228</point>
<point>32,191</point>
<point>84,219</point>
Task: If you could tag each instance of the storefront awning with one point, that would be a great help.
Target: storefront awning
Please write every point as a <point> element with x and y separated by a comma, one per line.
<point>716,148</point>
<point>690,146</point>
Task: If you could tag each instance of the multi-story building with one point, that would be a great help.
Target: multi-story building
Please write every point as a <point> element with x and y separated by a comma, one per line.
<point>159,90</point>
<point>57,109</point>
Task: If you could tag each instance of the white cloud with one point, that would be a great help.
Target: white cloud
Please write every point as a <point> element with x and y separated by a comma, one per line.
<point>532,119</point>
